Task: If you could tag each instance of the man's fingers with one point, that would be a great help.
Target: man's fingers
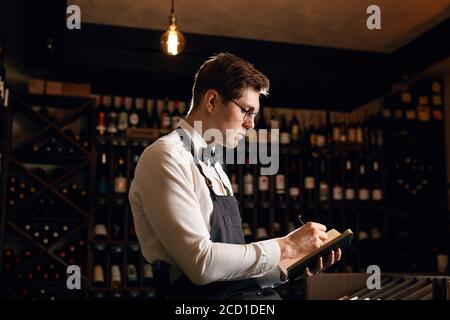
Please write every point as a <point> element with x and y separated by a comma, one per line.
<point>308,273</point>
<point>318,226</point>
<point>323,236</point>
<point>338,255</point>
<point>330,260</point>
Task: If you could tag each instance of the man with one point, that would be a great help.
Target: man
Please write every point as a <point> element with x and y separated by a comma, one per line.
<point>184,212</point>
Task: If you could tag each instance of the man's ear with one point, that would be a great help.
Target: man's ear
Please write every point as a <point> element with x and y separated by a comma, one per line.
<point>211,99</point>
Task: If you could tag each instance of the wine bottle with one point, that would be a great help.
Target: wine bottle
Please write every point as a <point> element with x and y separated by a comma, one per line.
<point>338,193</point>
<point>176,115</point>
<point>349,189</point>
<point>154,118</point>
<point>262,129</point>
<point>363,192</point>
<point>280,182</point>
<point>323,182</point>
<point>248,183</point>
<point>148,275</point>
<point>285,135</point>
<point>116,263</point>
<point>165,118</point>
<point>120,180</point>
<point>295,131</point>
<point>100,123</point>
<point>309,183</point>
<point>235,184</point>
<point>133,261</point>
<point>248,234</point>
<point>294,181</point>
<point>134,119</point>
<point>122,122</point>
<point>263,223</point>
<point>377,193</point>
<point>102,174</point>
<point>113,116</point>
<point>335,129</point>
<point>321,132</point>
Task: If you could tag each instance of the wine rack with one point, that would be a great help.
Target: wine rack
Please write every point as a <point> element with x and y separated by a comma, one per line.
<point>48,192</point>
<point>65,197</point>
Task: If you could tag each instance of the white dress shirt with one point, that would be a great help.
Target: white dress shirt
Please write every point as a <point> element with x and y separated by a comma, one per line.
<point>172,208</point>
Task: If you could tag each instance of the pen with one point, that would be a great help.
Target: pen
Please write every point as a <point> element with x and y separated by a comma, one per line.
<point>300,219</point>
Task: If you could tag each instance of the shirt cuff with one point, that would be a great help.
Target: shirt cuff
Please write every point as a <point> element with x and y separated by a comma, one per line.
<point>270,254</point>
<point>273,278</point>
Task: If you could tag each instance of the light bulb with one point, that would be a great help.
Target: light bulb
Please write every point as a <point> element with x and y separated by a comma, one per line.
<point>172,41</point>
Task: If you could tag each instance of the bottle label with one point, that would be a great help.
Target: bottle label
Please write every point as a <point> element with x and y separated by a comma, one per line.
<point>294,132</point>
<point>120,185</point>
<point>337,193</point>
<point>235,188</point>
<point>123,121</point>
<point>363,194</point>
<point>349,194</point>
<point>263,183</point>
<point>423,113</point>
<point>247,230</point>
<point>410,114</point>
<point>323,191</point>
<point>406,97</point>
<point>101,122</point>
<point>165,121</point>
<point>359,135</point>
<point>437,114</point>
<point>175,121</point>
<point>294,192</point>
<point>148,271</point>
<point>134,119</point>
<point>100,230</point>
<point>115,274</point>
<point>437,100</point>
<point>387,113</point>
<point>280,183</point>
<point>336,133</point>
<point>321,140</point>
<point>99,275</point>
<point>423,100</point>
<point>313,139</point>
<point>377,194</point>
<point>131,272</point>
<point>274,124</point>
<point>309,183</point>
<point>398,113</point>
<point>248,185</point>
<point>351,135</point>
<point>261,233</point>
<point>285,138</point>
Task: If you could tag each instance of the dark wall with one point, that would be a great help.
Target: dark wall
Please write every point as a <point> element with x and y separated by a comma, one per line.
<point>129,61</point>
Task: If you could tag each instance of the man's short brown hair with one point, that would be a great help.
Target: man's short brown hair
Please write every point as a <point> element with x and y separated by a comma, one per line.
<point>228,74</point>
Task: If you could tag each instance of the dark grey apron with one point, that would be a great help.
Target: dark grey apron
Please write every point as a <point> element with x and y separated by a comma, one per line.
<point>226,227</point>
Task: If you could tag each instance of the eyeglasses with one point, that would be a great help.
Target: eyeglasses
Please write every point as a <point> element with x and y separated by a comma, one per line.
<point>246,112</point>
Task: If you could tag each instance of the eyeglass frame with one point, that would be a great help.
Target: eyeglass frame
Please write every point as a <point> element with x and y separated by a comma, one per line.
<point>247,112</point>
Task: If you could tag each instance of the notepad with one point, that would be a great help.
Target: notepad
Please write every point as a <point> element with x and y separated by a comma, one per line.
<point>296,267</point>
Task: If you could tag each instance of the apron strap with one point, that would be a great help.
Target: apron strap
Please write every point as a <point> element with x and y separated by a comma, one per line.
<point>185,138</point>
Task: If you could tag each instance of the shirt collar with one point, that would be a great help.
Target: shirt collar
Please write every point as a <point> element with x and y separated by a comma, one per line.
<point>198,142</point>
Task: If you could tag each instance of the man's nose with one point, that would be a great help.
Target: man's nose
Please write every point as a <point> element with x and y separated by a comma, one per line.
<point>249,123</point>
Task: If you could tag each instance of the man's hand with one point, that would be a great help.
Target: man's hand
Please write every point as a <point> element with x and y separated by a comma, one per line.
<point>302,241</point>
<point>333,257</point>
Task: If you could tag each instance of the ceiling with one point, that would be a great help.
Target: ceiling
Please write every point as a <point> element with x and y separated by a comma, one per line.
<point>337,23</point>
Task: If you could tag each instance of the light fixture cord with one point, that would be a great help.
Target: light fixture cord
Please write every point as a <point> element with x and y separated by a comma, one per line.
<point>173,10</point>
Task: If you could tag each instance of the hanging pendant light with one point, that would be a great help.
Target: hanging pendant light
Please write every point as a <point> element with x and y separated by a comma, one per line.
<point>172,41</point>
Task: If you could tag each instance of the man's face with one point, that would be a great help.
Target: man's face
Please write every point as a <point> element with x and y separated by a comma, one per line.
<point>228,118</point>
